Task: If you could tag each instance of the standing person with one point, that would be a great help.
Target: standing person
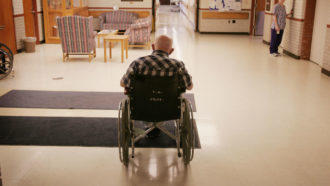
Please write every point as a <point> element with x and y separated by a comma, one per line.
<point>278,26</point>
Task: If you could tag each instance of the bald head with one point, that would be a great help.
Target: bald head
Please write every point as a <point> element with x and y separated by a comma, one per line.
<point>163,43</point>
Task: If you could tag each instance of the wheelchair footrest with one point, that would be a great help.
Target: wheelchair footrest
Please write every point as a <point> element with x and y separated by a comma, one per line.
<point>138,132</point>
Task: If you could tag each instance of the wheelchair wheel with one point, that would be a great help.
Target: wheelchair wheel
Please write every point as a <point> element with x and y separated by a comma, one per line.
<point>187,133</point>
<point>6,61</point>
<point>123,132</point>
<point>6,49</point>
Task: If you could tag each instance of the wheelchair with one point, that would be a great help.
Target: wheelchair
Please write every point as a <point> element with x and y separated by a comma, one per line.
<point>6,61</point>
<point>155,100</point>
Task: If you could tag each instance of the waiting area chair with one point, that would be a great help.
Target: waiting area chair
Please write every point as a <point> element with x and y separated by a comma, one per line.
<point>155,100</point>
<point>77,36</point>
<point>139,33</point>
<point>117,20</point>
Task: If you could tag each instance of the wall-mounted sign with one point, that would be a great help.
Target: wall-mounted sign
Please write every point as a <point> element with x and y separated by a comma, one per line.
<point>225,5</point>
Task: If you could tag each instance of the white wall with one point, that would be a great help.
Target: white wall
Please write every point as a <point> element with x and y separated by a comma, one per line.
<point>222,25</point>
<point>18,7</point>
<point>326,54</point>
<point>188,7</point>
<point>268,23</point>
<point>19,22</point>
<point>292,37</point>
<point>322,18</point>
<point>246,4</point>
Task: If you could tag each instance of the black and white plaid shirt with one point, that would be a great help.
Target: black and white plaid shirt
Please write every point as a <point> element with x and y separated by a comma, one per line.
<point>157,64</point>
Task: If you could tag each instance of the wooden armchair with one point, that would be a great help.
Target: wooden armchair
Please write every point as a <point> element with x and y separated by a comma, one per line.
<point>139,33</point>
<point>77,36</point>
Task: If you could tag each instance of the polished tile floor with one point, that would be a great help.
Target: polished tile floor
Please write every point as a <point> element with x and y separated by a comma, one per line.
<point>262,121</point>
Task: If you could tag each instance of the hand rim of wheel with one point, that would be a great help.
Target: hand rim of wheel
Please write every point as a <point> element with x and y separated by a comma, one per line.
<point>9,60</point>
<point>123,132</point>
<point>188,134</point>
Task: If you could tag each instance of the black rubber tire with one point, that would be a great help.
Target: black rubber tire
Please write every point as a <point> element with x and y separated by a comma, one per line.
<point>7,49</point>
<point>187,137</point>
<point>125,134</point>
<point>7,59</point>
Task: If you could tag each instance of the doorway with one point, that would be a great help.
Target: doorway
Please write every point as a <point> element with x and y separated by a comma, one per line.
<point>165,2</point>
<point>321,19</point>
<point>31,19</point>
<point>259,17</point>
<point>7,28</point>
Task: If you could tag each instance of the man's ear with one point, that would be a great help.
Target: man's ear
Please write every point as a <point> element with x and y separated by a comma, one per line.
<point>153,46</point>
<point>172,49</point>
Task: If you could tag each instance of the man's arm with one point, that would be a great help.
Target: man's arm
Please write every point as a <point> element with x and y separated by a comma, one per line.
<point>126,79</point>
<point>275,14</point>
<point>277,28</point>
<point>186,77</point>
<point>290,14</point>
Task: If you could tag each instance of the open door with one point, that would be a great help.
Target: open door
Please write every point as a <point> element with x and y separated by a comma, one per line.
<point>31,19</point>
<point>260,6</point>
<point>7,28</point>
<point>165,2</point>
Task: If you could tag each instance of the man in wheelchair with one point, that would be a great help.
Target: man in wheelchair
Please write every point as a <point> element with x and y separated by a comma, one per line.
<point>154,85</point>
<point>158,64</point>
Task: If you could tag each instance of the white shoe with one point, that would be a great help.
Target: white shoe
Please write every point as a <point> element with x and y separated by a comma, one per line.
<point>274,55</point>
<point>278,54</point>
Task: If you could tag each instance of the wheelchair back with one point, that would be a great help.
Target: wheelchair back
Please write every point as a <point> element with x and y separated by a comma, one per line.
<point>155,99</point>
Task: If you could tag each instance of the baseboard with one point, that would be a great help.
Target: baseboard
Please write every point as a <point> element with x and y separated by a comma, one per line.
<point>266,42</point>
<point>326,72</point>
<point>291,54</point>
<point>234,33</point>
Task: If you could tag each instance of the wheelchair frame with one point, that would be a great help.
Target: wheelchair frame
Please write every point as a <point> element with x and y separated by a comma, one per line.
<point>184,132</point>
<point>6,61</point>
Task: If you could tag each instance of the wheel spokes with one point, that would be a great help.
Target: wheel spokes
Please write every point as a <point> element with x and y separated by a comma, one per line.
<point>4,48</point>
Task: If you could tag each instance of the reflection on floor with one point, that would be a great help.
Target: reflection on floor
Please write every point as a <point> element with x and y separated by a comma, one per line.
<point>261,120</point>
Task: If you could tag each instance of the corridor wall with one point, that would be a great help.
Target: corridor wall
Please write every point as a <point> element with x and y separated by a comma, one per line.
<point>326,53</point>
<point>20,24</point>
<point>322,18</point>
<point>188,8</point>
<point>292,38</point>
<point>227,22</point>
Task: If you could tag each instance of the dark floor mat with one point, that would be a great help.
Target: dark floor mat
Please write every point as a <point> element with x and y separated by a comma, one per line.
<point>67,99</point>
<point>73,131</point>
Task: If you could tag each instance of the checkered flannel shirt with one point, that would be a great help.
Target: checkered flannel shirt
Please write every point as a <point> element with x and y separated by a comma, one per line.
<point>157,64</point>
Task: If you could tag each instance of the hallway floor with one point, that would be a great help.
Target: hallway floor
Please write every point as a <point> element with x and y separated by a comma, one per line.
<point>262,121</point>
